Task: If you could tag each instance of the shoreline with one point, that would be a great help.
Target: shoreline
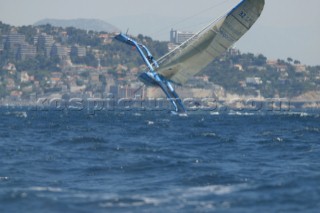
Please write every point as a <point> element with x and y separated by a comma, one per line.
<point>109,104</point>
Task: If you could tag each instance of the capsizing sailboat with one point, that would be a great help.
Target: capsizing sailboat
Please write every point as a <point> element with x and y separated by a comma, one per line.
<point>196,53</point>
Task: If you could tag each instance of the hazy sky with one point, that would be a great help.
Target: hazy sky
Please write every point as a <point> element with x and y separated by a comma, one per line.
<point>287,28</point>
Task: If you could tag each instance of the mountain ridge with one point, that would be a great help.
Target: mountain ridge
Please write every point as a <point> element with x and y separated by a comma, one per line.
<point>84,24</point>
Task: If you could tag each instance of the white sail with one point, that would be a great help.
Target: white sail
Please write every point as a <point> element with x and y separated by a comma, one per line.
<point>195,54</point>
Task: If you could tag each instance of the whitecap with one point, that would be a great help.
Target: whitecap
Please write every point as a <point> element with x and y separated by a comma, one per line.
<point>4,178</point>
<point>213,189</point>
<point>18,114</point>
<point>278,139</point>
<point>150,122</point>
<point>301,114</point>
<point>46,189</point>
<point>304,114</point>
<point>241,113</point>
<point>214,113</point>
<point>209,134</point>
<point>134,201</point>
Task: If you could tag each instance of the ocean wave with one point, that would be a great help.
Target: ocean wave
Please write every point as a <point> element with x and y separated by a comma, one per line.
<point>278,139</point>
<point>169,197</point>
<point>45,189</point>
<point>18,114</point>
<point>213,189</point>
<point>150,123</point>
<point>215,113</point>
<point>120,163</point>
<point>241,113</point>
<point>209,134</point>
<point>301,114</point>
<point>135,201</point>
<point>136,114</point>
<point>312,129</point>
<point>85,139</point>
<point>4,178</point>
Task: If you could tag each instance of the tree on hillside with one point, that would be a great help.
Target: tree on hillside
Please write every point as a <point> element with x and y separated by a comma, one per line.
<point>296,62</point>
<point>261,60</point>
<point>4,28</point>
<point>290,60</point>
<point>29,31</point>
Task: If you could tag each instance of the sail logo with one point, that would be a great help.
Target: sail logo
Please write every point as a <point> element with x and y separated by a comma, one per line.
<point>226,35</point>
<point>244,16</point>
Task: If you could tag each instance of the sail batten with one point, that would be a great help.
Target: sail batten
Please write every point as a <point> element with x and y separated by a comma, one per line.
<point>192,56</point>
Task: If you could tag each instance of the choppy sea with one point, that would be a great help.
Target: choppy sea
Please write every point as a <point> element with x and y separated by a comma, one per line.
<point>154,162</point>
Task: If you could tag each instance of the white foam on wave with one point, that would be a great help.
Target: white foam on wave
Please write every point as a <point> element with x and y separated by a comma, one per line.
<point>301,114</point>
<point>209,134</point>
<point>214,113</point>
<point>150,122</point>
<point>241,113</point>
<point>134,201</point>
<point>304,114</point>
<point>212,189</point>
<point>312,129</point>
<point>137,114</point>
<point>4,178</point>
<point>45,189</point>
<point>184,196</point>
<point>189,196</point>
<point>108,200</point>
<point>278,139</point>
<point>18,114</point>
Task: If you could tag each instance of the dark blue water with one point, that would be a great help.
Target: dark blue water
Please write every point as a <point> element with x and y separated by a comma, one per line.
<point>155,162</point>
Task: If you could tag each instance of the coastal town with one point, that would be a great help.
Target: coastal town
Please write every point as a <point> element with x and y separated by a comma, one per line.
<point>55,62</point>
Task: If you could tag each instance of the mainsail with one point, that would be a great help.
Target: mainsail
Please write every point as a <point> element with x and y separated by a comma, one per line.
<point>195,54</point>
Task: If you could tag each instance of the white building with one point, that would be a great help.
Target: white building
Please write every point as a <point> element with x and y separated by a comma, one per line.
<point>178,37</point>
<point>254,81</point>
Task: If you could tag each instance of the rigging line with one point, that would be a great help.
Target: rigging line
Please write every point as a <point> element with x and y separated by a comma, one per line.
<point>160,60</point>
<point>190,17</point>
<point>135,92</point>
<point>189,40</point>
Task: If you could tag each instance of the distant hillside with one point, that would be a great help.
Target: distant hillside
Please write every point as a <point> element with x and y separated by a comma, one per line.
<point>84,24</point>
